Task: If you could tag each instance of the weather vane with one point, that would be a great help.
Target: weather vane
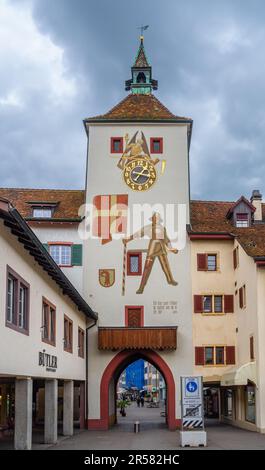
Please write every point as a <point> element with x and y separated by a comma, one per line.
<point>143,28</point>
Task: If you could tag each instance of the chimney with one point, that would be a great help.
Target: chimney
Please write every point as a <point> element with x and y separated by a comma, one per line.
<point>256,201</point>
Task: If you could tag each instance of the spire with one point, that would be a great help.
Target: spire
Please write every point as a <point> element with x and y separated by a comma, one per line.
<point>141,81</point>
<point>141,59</point>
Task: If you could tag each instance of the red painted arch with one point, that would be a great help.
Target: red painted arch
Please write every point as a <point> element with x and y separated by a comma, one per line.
<point>113,371</point>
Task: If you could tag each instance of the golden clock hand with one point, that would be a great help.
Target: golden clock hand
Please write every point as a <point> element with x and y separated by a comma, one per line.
<point>140,174</point>
<point>145,168</point>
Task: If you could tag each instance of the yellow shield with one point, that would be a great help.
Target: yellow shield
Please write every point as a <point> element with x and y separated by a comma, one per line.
<point>106,277</point>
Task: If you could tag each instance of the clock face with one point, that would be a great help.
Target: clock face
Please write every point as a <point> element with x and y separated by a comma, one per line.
<point>139,174</point>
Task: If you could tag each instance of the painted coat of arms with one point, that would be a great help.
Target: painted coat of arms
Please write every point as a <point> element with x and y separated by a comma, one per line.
<point>106,277</point>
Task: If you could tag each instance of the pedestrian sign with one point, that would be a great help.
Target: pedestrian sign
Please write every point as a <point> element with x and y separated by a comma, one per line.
<point>192,403</point>
<point>191,386</point>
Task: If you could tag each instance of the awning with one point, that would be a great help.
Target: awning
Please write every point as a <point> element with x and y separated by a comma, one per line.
<point>240,376</point>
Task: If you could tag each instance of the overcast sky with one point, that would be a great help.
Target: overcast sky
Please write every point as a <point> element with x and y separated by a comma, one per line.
<point>64,60</point>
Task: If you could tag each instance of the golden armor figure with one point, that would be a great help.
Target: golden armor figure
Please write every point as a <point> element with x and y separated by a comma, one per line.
<point>159,246</point>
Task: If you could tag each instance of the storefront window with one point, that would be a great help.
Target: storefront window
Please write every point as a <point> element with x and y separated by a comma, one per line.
<point>250,404</point>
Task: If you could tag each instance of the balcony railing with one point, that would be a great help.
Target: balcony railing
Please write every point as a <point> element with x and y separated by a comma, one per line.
<point>119,338</point>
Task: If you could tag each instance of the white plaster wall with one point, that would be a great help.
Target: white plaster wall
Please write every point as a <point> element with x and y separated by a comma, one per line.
<point>246,273</point>
<point>19,353</point>
<point>105,178</point>
<point>63,234</point>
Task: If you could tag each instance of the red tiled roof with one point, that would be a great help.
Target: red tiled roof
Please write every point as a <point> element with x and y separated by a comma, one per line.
<point>210,217</point>
<point>68,201</point>
<point>138,108</point>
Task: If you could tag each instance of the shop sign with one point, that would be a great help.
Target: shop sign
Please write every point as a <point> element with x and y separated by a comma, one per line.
<point>48,361</point>
<point>192,403</point>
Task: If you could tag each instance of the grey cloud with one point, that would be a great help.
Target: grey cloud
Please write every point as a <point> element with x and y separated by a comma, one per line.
<point>207,56</point>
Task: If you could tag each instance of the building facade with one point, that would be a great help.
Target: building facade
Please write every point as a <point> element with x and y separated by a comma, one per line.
<point>43,322</point>
<point>177,283</point>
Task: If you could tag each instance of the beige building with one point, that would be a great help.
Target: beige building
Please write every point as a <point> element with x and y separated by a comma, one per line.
<point>227,264</point>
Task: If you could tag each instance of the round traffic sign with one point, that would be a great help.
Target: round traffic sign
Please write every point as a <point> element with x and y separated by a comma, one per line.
<point>191,386</point>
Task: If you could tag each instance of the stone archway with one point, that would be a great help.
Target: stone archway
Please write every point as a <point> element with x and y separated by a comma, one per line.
<point>115,368</point>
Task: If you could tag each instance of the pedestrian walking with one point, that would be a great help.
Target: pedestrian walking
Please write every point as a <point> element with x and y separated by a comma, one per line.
<point>138,401</point>
<point>142,401</point>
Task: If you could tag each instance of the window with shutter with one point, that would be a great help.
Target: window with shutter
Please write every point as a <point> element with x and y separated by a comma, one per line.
<point>48,322</point>
<point>251,348</point>
<point>68,334</point>
<point>201,262</point>
<point>81,342</point>
<point>199,356</point>
<point>235,257</point>
<point>229,304</point>
<point>240,297</point>
<point>77,255</point>
<point>230,355</point>
<point>198,303</point>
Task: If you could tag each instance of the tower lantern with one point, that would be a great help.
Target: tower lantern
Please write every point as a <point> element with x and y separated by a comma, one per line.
<point>141,81</point>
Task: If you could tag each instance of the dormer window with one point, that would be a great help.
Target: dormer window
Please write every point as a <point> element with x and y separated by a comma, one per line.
<point>241,213</point>
<point>242,219</point>
<point>42,212</point>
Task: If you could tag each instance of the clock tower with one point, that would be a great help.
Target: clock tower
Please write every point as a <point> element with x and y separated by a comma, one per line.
<point>136,252</point>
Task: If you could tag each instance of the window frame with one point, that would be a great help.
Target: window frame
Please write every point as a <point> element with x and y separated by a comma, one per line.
<point>223,355</point>
<point>69,346</point>
<point>244,297</point>
<point>18,282</point>
<point>215,364</point>
<point>215,255</point>
<point>81,344</point>
<point>152,145</point>
<point>42,208</point>
<point>140,268</point>
<point>112,144</point>
<point>213,355</point>
<point>61,244</point>
<point>51,313</point>
<point>242,219</point>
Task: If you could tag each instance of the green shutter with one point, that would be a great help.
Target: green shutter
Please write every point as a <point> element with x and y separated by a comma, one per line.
<point>77,255</point>
<point>46,246</point>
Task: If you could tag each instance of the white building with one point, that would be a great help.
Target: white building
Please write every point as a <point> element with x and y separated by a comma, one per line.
<point>43,324</point>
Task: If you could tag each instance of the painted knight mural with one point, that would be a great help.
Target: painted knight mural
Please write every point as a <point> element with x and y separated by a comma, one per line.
<point>158,248</point>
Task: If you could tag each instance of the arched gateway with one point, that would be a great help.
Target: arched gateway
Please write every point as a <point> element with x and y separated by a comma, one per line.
<point>115,368</point>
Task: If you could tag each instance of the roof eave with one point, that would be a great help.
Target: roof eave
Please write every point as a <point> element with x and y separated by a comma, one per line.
<point>120,120</point>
